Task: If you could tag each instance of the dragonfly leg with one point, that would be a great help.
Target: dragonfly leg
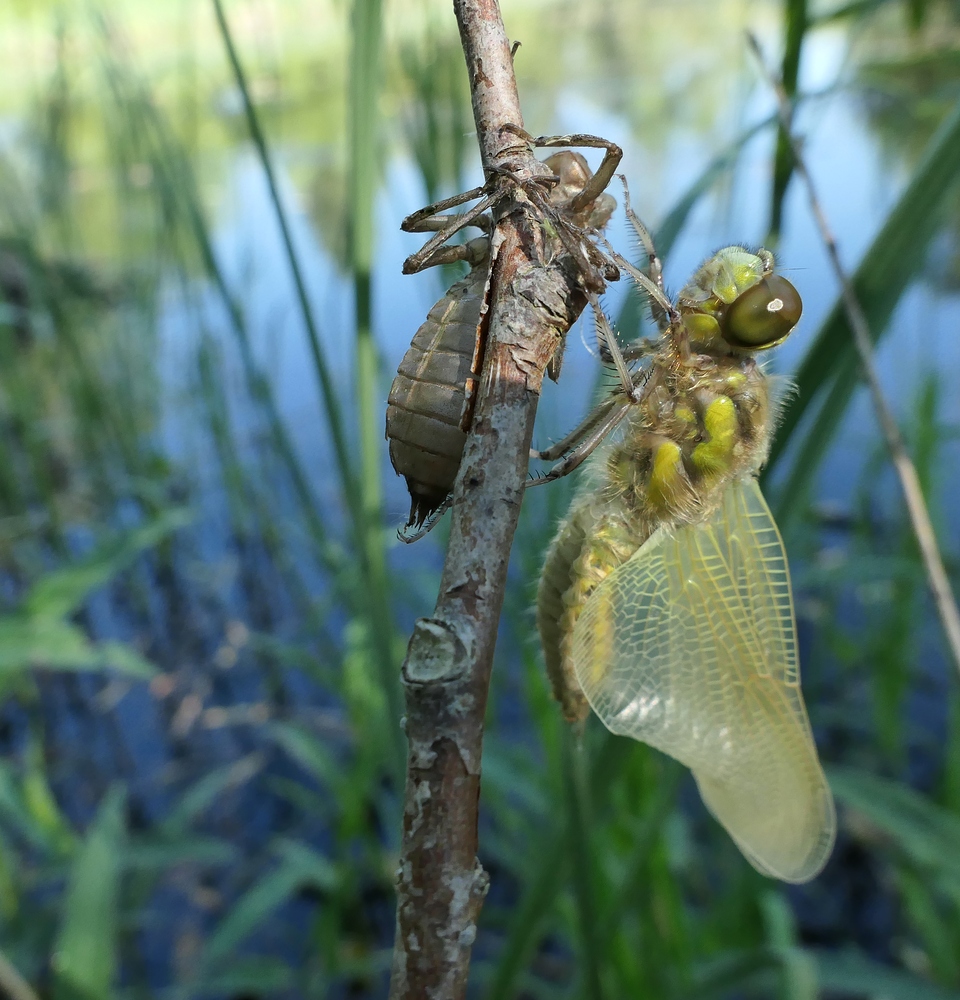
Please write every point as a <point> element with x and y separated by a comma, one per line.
<point>655,291</point>
<point>595,267</point>
<point>438,223</point>
<point>473,252</point>
<point>654,266</point>
<point>636,350</point>
<point>643,234</point>
<point>568,443</point>
<point>590,442</point>
<point>608,339</point>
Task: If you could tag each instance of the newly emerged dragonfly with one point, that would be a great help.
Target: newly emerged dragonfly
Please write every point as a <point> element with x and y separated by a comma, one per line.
<point>430,406</point>
<point>665,601</point>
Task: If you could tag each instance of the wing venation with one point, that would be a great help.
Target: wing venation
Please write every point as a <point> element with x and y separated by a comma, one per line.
<point>691,646</point>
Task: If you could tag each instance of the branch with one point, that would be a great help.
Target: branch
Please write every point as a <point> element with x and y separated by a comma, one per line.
<point>534,298</point>
<point>917,511</point>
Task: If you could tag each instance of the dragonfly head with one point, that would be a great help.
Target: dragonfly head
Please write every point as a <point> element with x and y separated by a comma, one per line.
<point>762,316</point>
<point>736,303</point>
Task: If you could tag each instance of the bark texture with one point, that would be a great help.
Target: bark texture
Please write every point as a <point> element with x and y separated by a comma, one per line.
<point>534,298</point>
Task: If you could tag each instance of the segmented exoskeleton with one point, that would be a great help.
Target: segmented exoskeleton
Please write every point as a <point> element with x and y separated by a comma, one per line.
<point>430,406</point>
<point>665,600</point>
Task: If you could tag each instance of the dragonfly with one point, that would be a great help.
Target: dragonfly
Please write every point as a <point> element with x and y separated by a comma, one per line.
<point>665,603</point>
<point>430,405</point>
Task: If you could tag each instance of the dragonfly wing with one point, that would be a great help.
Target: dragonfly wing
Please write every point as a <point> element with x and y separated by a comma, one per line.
<point>691,646</point>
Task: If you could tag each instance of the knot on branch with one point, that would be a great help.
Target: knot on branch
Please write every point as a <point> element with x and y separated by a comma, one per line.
<point>435,653</point>
<point>442,703</point>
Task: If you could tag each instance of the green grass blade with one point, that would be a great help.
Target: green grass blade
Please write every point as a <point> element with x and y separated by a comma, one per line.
<point>12,984</point>
<point>796,28</point>
<point>41,807</point>
<point>851,974</point>
<point>659,807</point>
<point>798,978</point>
<point>924,914</point>
<point>178,187</point>
<point>250,976</point>
<point>204,792</point>
<point>311,753</point>
<point>581,856</point>
<point>62,591</point>
<point>733,970</point>
<point>26,643</point>
<point>41,828</point>
<point>85,953</point>
<point>365,61</point>
<point>333,406</point>
<point>829,373</point>
<point>521,933</point>
<point>926,833</point>
<point>299,866</point>
<point>158,856</point>
<point>550,860</point>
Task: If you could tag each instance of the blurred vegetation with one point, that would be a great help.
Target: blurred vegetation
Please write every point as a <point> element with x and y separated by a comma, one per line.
<point>204,609</point>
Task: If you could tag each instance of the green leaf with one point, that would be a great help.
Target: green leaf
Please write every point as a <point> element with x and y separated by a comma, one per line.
<point>14,812</point>
<point>196,799</point>
<point>847,973</point>
<point>125,660</point>
<point>310,753</point>
<point>157,854</point>
<point>829,373</point>
<point>934,929</point>
<point>85,952</point>
<point>798,975</point>
<point>299,867</point>
<point>27,643</point>
<point>314,868</point>
<point>253,975</point>
<point>853,974</point>
<point>41,806</point>
<point>922,830</point>
<point>61,592</point>
<point>735,969</point>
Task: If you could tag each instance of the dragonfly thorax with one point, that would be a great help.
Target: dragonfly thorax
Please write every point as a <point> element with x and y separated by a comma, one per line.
<point>700,426</point>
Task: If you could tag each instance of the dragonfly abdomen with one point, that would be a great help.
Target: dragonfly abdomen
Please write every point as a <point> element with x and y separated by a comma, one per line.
<point>586,549</point>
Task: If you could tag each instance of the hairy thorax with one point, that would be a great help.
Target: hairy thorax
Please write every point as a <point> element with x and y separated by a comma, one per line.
<point>703,422</point>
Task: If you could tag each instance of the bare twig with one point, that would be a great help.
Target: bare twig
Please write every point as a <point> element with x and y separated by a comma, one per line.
<point>909,481</point>
<point>534,298</point>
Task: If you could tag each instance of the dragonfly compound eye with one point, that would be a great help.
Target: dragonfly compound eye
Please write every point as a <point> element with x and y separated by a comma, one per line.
<point>763,315</point>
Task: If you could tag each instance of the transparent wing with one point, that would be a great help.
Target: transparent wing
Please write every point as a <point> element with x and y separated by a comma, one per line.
<point>691,646</point>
